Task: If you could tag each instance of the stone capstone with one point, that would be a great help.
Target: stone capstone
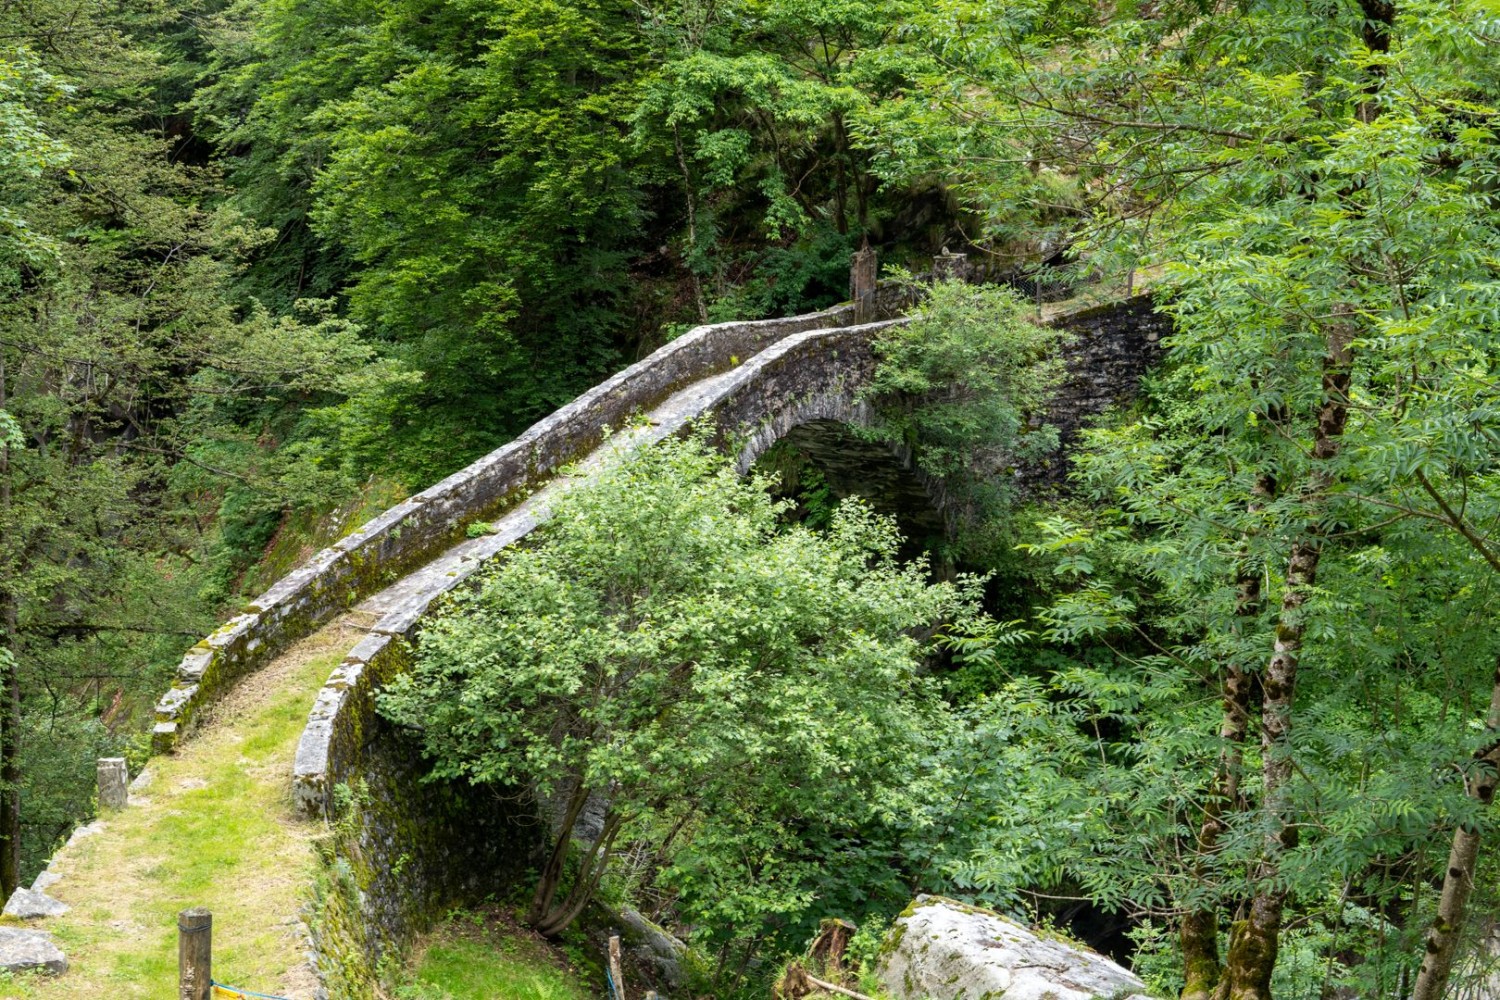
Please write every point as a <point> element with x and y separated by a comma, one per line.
<point>24,951</point>
<point>114,783</point>
<point>940,949</point>
<point>31,904</point>
<point>87,830</point>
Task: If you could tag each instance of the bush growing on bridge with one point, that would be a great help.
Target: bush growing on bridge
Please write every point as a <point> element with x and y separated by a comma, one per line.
<point>744,693</point>
<point>960,382</point>
<point>961,388</point>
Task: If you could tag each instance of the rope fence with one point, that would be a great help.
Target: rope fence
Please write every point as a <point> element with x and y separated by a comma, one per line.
<point>220,990</point>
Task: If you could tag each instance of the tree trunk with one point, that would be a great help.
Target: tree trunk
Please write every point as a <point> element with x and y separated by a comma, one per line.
<point>1458,881</point>
<point>692,221</point>
<point>579,896</point>
<point>1200,928</point>
<point>1253,943</point>
<point>841,175</point>
<point>10,746</point>
<point>1199,934</point>
<point>10,692</point>
<point>552,871</point>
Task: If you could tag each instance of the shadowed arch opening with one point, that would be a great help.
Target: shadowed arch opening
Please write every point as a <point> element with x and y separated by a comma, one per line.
<point>823,461</point>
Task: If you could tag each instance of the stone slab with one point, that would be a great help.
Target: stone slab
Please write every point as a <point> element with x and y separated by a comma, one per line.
<point>31,904</point>
<point>27,951</point>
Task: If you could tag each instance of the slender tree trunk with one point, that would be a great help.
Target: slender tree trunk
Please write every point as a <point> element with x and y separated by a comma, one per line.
<point>552,871</point>
<point>582,892</point>
<point>10,764</point>
<point>1253,942</point>
<point>10,692</point>
<point>841,174</point>
<point>1200,928</point>
<point>1199,934</point>
<point>692,221</point>
<point>1458,881</point>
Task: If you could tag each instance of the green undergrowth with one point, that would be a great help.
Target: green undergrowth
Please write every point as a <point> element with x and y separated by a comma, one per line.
<point>474,958</point>
<point>302,533</point>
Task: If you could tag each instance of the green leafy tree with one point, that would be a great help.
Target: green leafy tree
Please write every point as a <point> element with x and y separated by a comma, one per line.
<point>134,385</point>
<point>962,389</point>
<point>1321,199</point>
<point>755,101</point>
<point>747,692</point>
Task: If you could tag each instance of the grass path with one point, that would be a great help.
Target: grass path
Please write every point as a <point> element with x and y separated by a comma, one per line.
<point>214,827</point>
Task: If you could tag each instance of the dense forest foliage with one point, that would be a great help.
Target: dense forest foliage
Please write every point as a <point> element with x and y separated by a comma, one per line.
<point>1225,703</point>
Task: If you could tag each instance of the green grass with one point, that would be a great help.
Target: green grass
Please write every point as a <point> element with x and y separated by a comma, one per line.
<point>219,830</point>
<point>496,965</point>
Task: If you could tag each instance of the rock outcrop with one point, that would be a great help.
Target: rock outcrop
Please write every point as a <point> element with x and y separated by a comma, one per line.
<point>940,949</point>
<point>653,947</point>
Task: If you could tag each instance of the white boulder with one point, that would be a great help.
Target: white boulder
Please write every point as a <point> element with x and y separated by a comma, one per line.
<point>940,949</point>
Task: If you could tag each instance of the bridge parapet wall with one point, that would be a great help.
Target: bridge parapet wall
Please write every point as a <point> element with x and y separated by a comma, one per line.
<point>412,532</point>
<point>806,376</point>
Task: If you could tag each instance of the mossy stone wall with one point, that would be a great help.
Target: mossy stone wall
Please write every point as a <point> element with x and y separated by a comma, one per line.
<point>403,852</point>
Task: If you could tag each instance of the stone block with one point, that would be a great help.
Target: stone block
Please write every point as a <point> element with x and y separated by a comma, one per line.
<point>30,904</point>
<point>114,783</point>
<point>30,951</point>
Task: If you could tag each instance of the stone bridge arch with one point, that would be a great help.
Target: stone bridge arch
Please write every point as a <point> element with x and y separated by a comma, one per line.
<point>759,382</point>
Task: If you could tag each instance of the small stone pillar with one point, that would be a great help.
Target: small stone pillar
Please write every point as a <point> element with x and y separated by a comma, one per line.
<point>195,950</point>
<point>950,266</point>
<point>862,277</point>
<point>114,783</point>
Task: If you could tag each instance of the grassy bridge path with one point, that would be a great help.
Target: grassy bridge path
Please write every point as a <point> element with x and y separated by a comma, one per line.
<point>213,827</point>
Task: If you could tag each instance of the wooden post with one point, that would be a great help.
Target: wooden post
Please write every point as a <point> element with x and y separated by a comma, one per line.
<point>862,276</point>
<point>615,972</point>
<point>195,933</point>
<point>114,783</point>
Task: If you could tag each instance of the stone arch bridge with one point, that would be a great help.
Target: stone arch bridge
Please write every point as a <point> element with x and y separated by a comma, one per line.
<point>420,843</point>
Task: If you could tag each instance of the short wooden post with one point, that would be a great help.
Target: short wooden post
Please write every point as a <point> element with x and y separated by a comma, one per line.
<point>615,972</point>
<point>114,783</point>
<point>862,278</point>
<point>195,935</point>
